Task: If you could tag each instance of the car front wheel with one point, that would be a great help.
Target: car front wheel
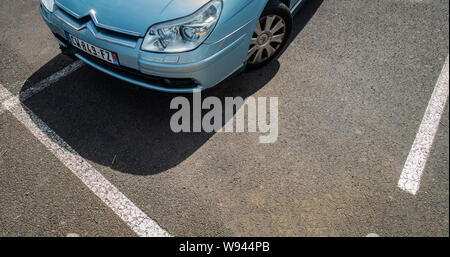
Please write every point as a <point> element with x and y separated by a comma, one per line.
<point>271,34</point>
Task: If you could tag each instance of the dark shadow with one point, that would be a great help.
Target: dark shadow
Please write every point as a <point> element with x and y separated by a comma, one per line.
<point>127,128</point>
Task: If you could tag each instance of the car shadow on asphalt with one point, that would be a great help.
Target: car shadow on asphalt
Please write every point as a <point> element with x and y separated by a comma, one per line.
<point>127,128</point>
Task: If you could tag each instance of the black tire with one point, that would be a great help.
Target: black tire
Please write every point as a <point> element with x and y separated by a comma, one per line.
<point>274,7</point>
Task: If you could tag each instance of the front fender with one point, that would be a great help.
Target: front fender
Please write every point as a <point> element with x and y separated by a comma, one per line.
<point>235,15</point>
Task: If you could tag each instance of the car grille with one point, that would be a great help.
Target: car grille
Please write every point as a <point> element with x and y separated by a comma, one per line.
<point>110,34</point>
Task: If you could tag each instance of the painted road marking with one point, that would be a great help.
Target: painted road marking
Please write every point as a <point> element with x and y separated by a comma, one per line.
<point>38,87</point>
<point>4,94</point>
<point>417,158</point>
<point>135,218</point>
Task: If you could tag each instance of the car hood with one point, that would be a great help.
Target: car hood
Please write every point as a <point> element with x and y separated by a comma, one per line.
<point>132,16</point>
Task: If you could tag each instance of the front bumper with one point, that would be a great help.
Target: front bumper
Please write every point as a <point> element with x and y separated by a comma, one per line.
<point>205,66</point>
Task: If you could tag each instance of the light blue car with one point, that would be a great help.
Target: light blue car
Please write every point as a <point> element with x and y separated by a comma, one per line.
<point>175,46</point>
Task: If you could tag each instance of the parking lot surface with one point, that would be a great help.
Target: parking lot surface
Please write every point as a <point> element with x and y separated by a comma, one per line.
<point>353,87</point>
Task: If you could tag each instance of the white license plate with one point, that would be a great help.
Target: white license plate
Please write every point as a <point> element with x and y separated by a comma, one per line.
<point>98,52</point>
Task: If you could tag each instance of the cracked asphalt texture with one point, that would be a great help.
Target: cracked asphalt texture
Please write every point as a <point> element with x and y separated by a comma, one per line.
<point>353,86</point>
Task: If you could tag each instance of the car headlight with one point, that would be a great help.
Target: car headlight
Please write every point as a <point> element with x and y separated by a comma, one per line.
<point>183,34</point>
<point>49,4</point>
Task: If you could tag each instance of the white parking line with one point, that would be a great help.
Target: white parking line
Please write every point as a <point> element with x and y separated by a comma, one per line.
<point>38,87</point>
<point>135,218</point>
<point>417,158</point>
<point>4,94</point>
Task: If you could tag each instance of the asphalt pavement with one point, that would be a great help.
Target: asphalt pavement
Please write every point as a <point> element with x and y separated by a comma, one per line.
<point>353,86</point>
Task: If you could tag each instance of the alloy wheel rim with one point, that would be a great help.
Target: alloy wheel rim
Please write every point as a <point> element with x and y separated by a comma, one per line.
<point>267,39</point>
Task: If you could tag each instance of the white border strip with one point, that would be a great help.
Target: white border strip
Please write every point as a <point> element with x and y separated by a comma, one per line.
<point>136,219</point>
<point>417,158</point>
